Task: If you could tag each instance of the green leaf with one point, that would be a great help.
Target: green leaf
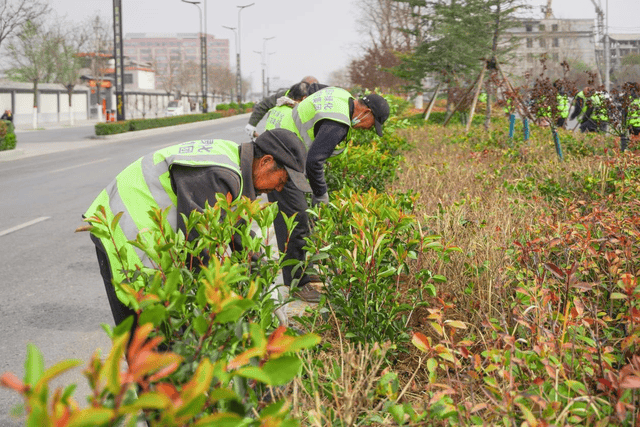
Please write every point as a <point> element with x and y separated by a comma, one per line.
<point>154,315</point>
<point>303,342</point>
<point>58,369</point>
<point>192,407</point>
<point>390,271</point>
<point>147,401</point>
<point>90,417</point>
<point>224,419</point>
<point>99,233</point>
<point>200,325</point>
<point>439,278</point>
<point>255,373</point>
<point>222,394</point>
<point>618,295</point>
<point>111,369</point>
<point>116,220</point>
<point>576,386</point>
<point>33,365</point>
<point>282,370</point>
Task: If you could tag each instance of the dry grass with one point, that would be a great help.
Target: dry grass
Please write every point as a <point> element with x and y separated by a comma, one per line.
<point>464,200</point>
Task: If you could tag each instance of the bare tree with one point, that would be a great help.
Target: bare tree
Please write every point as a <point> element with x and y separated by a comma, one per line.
<point>99,50</point>
<point>14,14</point>
<point>168,75</point>
<point>392,27</point>
<point>67,60</point>
<point>188,77</point>
<point>32,59</point>
<point>221,80</point>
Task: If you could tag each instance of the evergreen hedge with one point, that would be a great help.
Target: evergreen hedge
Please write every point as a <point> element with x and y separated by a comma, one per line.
<point>141,124</point>
<point>7,135</point>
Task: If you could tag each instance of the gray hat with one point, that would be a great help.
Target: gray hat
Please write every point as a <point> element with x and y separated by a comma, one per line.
<point>287,150</point>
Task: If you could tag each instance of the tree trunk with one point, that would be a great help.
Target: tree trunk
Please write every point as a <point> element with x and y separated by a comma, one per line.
<point>427,111</point>
<point>487,115</point>
<point>70,92</point>
<point>475,96</point>
<point>35,104</point>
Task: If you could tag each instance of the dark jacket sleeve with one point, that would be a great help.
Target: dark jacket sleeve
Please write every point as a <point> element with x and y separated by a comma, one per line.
<point>195,186</point>
<point>329,134</point>
<point>577,107</point>
<point>263,107</point>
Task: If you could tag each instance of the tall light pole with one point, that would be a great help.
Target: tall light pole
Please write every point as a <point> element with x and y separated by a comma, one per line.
<point>203,57</point>
<point>205,104</point>
<point>235,36</point>
<point>607,52</point>
<point>119,61</point>
<point>270,53</point>
<point>265,75</point>
<point>239,76</point>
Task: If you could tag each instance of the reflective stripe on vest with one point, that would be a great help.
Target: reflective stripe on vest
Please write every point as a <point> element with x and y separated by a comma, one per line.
<point>599,113</point>
<point>634,113</point>
<point>329,103</point>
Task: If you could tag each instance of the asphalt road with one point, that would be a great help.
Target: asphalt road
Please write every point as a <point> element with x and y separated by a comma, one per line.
<point>51,291</point>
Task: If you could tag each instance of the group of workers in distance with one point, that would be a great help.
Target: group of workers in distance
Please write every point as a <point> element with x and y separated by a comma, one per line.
<point>304,124</point>
<point>591,109</point>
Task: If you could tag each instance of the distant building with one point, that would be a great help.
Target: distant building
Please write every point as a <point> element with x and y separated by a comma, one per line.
<point>166,51</point>
<point>560,39</point>
<point>621,46</point>
<point>137,75</point>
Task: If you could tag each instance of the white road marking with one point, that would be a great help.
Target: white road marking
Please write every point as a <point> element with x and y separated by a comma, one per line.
<point>77,166</point>
<point>26,224</point>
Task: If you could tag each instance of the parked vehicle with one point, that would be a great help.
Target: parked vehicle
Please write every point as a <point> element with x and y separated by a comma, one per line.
<point>174,108</point>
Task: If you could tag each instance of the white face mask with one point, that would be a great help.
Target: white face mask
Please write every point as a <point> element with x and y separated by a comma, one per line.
<point>358,119</point>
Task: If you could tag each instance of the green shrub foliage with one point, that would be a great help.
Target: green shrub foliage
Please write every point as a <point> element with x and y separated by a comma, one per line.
<point>217,322</point>
<point>141,124</point>
<point>7,135</point>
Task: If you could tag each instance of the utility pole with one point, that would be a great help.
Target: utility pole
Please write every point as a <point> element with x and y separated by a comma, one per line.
<point>607,53</point>
<point>239,76</point>
<point>603,31</point>
<point>119,58</point>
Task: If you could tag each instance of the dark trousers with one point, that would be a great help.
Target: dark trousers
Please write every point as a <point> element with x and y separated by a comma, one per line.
<point>118,309</point>
<point>291,201</point>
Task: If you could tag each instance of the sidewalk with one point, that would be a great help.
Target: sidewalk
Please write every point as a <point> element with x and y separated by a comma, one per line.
<point>40,148</point>
<point>28,127</point>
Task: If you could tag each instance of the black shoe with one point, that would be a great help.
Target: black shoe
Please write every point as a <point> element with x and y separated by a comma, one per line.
<point>307,293</point>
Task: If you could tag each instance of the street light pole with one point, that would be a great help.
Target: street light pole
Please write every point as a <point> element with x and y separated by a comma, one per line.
<point>270,53</point>
<point>239,75</point>
<point>265,58</point>
<point>205,104</point>
<point>203,57</point>
<point>235,36</point>
<point>263,71</point>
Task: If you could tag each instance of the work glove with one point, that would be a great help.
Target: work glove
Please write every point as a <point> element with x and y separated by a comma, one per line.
<point>324,199</point>
<point>251,131</point>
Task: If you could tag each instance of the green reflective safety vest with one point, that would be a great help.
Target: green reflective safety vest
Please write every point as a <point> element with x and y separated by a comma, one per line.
<point>146,184</point>
<point>330,103</point>
<point>563,105</point>
<point>634,113</point>
<point>580,96</point>
<point>599,113</point>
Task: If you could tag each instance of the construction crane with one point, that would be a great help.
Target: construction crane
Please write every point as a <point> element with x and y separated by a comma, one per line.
<point>603,32</point>
<point>548,14</point>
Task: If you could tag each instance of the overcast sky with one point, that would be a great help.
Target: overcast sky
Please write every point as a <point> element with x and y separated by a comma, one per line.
<point>312,37</point>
